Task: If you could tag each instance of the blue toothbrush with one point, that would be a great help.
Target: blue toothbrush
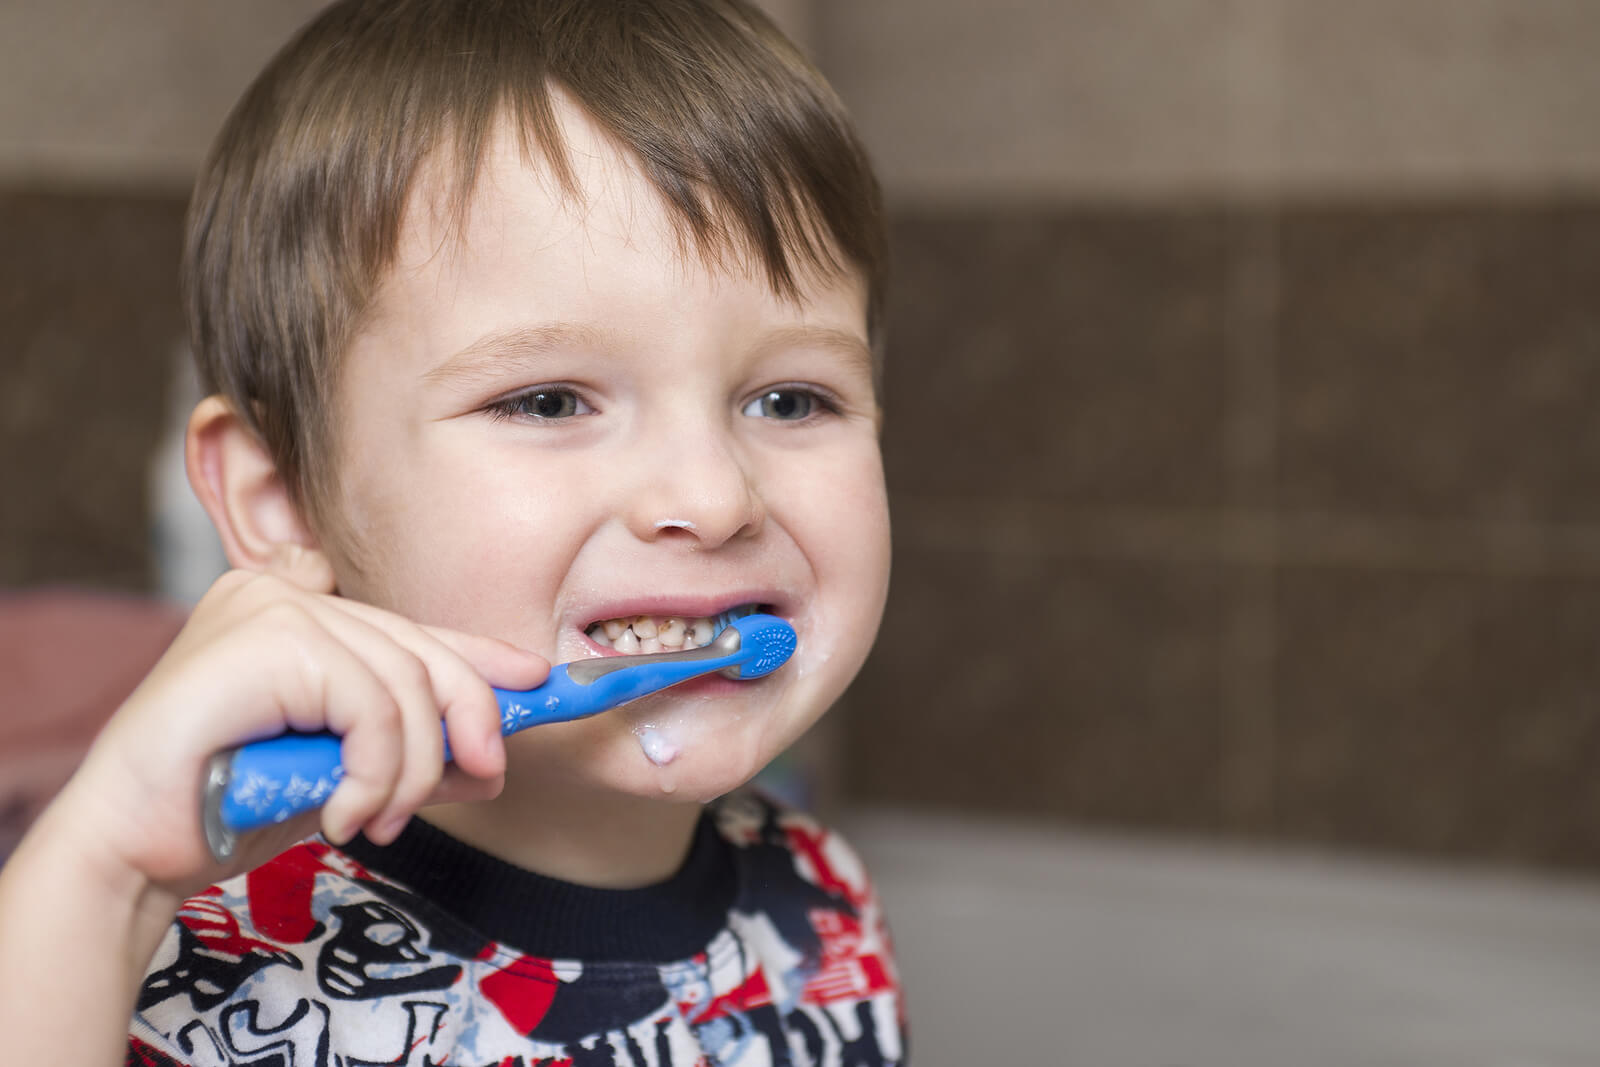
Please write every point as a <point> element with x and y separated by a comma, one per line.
<point>269,781</point>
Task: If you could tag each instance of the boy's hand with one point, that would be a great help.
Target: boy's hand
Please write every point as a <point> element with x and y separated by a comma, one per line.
<point>260,656</point>
<point>105,867</point>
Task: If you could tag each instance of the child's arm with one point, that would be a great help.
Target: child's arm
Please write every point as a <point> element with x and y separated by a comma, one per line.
<point>88,894</point>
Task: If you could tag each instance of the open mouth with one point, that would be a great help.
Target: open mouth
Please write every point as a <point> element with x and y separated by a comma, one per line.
<point>635,634</point>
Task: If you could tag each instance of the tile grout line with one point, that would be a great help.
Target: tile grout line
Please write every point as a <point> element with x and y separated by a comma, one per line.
<point>1247,674</point>
<point>1249,531</point>
<point>1245,536</point>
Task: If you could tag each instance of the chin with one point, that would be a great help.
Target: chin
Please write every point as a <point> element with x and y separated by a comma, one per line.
<point>687,766</point>
<point>671,751</point>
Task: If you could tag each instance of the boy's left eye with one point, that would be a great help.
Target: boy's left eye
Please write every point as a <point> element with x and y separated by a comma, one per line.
<point>789,405</point>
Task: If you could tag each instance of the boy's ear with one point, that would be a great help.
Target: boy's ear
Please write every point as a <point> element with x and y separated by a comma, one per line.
<point>238,484</point>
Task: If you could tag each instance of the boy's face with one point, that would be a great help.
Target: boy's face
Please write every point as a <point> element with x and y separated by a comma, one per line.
<point>559,419</point>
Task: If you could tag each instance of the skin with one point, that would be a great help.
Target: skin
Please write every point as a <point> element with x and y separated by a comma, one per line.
<point>530,527</point>
<point>701,443</point>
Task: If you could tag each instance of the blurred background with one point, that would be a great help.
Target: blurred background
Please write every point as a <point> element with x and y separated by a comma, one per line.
<point>1236,701</point>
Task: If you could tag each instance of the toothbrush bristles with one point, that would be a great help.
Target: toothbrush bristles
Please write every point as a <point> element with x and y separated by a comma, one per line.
<point>726,619</point>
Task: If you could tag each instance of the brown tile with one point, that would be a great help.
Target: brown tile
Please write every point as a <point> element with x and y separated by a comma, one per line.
<point>1074,356</point>
<point>1043,686</point>
<point>1441,362</point>
<point>1443,713</point>
<point>89,323</point>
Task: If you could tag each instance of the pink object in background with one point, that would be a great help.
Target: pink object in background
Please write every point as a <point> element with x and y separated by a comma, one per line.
<point>68,658</point>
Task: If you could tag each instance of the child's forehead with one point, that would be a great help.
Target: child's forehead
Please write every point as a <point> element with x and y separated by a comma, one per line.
<point>455,201</point>
<point>519,265</point>
<point>586,186</point>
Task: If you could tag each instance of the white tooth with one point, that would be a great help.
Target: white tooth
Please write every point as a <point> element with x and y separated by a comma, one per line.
<point>627,643</point>
<point>597,634</point>
<point>614,627</point>
<point>702,630</point>
<point>650,644</point>
<point>672,633</point>
<point>645,626</point>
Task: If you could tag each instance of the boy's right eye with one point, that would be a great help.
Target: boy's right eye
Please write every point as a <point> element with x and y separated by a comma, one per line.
<point>546,403</point>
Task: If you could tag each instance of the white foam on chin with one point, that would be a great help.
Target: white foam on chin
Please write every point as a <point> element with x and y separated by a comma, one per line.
<point>659,746</point>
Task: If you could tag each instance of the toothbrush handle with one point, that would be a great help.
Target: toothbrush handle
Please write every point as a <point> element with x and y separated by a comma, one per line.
<point>273,780</point>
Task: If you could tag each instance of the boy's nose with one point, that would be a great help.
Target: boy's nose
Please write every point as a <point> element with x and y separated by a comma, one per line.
<point>697,489</point>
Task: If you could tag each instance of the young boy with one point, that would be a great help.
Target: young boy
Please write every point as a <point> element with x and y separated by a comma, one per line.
<point>539,330</point>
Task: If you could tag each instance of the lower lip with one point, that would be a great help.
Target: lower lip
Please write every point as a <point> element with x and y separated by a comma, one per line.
<point>707,685</point>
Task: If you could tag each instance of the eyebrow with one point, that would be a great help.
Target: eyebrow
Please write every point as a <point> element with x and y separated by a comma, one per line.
<point>480,358</point>
<point>826,338</point>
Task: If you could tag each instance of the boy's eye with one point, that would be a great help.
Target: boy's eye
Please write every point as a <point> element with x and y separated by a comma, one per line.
<point>789,405</point>
<point>544,403</point>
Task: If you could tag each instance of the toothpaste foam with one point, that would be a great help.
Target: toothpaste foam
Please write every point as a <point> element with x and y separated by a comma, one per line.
<point>658,747</point>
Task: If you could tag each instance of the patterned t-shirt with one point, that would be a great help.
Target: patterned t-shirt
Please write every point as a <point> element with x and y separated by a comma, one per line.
<point>767,948</point>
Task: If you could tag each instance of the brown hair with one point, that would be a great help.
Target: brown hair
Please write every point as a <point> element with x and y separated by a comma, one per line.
<point>297,211</point>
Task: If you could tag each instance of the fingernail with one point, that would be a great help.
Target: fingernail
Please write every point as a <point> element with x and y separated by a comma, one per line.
<point>392,829</point>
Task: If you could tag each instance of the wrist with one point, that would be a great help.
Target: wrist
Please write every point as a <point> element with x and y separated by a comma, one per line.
<point>76,938</point>
<point>71,868</point>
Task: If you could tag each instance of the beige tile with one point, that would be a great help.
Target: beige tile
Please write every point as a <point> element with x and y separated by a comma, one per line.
<point>1080,98</point>
<point>1459,93</point>
<point>102,89</point>
<point>796,18</point>
<point>1039,97</point>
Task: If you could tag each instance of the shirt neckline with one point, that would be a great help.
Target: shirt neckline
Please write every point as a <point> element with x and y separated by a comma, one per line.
<point>549,918</point>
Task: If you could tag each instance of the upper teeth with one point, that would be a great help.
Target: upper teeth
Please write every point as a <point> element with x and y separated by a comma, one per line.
<point>654,633</point>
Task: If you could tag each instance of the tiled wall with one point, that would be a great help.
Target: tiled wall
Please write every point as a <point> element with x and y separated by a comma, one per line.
<point>1243,355</point>
<point>1277,521</point>
<point>1054,99</point>
<point>1243,367</point>
<point>1267,521</point>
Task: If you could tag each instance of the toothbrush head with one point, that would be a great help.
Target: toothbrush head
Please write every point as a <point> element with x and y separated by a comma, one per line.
<point>765,643</point>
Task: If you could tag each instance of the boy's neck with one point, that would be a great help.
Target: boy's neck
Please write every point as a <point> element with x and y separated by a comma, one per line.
<point>603,841</point>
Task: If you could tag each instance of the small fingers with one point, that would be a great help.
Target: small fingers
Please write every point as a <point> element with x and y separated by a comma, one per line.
<point>462,667</point>
<point>459,787</point>
<point>474,715</point>
<point>391,689</point>
<point>498,662</point>
<point>415,724</point>
<point>437,674</point>
<point>343,693</point>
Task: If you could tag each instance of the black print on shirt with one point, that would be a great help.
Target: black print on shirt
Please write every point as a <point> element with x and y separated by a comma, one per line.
<point>207,973</point>
<point>370,942</point>
<point>251,1044</point>
<point>595,1005</point>
<point>771,866</point>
